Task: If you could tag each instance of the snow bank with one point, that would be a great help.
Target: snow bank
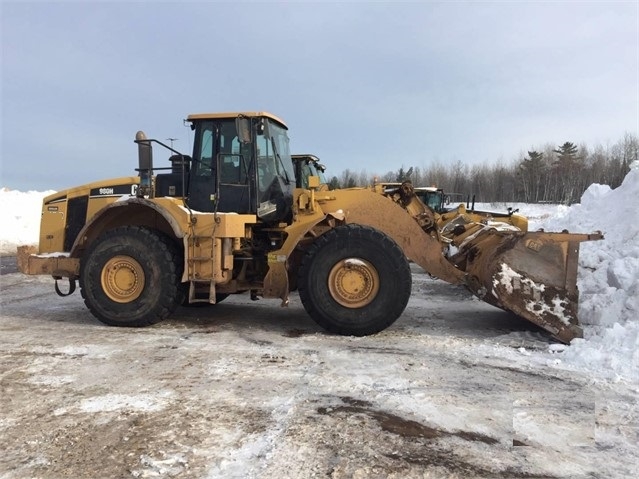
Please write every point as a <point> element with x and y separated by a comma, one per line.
<point>608,277</point>
<point>20,218</point>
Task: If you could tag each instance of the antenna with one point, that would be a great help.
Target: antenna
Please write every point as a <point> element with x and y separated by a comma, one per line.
<point>172,140</point>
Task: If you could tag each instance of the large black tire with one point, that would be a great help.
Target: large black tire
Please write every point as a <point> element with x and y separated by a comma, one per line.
<point>354,280</point>
<point>130,276</point>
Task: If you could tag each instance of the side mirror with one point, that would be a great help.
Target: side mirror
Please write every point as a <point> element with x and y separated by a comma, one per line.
<point>243,127</point>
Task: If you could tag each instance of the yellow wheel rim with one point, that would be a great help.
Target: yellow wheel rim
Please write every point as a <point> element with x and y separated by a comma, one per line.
<point>353,282</point>
<point>122,279</point>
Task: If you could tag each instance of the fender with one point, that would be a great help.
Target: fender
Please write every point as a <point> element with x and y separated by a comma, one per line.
<point>364,207</point>
<point>88,233</point>
<point>276,283</point>
<point>67,265</point>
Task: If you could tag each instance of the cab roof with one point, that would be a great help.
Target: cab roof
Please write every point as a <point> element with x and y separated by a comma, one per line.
<point>250,114</point>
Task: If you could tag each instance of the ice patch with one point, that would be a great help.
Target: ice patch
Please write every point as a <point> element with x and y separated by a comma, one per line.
<point>116,402</point>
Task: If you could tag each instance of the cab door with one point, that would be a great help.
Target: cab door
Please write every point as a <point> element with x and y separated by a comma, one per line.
<point>222,172</point>
<point>234,167</point>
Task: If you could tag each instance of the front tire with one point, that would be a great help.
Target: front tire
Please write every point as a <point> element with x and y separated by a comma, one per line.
<point>354,280</point>
<point>130,276</point>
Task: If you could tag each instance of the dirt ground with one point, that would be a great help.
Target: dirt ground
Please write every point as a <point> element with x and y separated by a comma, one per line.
<point>252,390</point>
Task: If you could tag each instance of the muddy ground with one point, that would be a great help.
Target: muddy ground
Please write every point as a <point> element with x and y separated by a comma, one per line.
<point>248,389</point>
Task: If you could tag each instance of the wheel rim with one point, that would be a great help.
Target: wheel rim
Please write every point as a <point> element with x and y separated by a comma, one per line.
<point>353,282</point>
<point>122,279</point>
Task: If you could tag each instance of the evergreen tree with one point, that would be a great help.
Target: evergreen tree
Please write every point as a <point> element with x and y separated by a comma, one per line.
<point>404,175</point>
<point>567,153</point>
<point>568,167</point>
<point>530,173</point>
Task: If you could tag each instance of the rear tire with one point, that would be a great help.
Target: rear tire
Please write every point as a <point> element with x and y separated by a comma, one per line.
<point>354,280</point>
<point>130,276</point>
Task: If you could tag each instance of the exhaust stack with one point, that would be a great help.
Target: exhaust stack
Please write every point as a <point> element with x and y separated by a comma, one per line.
<point>145,162</point>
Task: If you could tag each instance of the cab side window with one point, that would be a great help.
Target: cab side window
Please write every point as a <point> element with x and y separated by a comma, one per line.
<point>204,166</point>
<point>267,166</point>
<point>233,164</point>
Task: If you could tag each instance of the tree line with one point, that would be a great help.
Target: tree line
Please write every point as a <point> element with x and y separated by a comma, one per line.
<point>551,173</point>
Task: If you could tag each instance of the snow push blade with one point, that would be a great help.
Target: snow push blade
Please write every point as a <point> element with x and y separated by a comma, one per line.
<point>533,275</point>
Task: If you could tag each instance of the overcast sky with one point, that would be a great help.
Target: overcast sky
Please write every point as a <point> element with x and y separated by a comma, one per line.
<point>363,85</point>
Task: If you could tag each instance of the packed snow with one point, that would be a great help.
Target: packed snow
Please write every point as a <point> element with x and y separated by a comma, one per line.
<point>608,278</point>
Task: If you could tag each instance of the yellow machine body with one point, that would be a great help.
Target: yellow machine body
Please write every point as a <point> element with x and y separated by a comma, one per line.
<point>532,274</point>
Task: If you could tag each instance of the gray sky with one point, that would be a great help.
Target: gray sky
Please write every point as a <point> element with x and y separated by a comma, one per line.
<point>363,85</point>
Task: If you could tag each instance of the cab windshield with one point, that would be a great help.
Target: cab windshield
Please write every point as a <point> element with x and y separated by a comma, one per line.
<point>273,158</point>
<point>435,201</point>
<point>432,199</point>
<point>309,168</point>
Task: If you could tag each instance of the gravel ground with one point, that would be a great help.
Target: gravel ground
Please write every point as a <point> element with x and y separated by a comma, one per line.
<point>249,389</point>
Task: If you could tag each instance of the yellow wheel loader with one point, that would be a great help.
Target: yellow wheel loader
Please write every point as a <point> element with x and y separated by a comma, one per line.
<point>306,166</point>
<point>438,202</point>
<point>230,219</point>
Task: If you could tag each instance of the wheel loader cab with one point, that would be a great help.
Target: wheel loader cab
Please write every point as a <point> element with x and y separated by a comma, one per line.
<point>241,164</point>
<point>432,197</point>
<point>306,166</point>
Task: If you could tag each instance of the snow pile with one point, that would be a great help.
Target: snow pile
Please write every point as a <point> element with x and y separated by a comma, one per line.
<point>20,218</point>
<point>608,277</point>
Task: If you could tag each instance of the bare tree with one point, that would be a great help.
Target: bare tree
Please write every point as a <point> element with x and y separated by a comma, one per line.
<point>364,179</point>
<point>547,173</point>
<point>347,179</point>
